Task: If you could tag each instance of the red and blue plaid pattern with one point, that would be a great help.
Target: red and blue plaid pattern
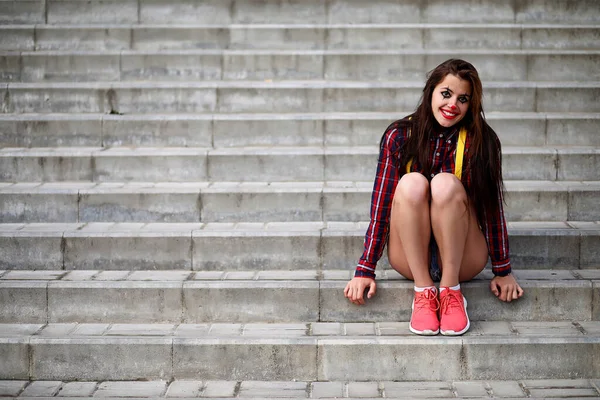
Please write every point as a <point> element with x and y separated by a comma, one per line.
<point>441,158</point>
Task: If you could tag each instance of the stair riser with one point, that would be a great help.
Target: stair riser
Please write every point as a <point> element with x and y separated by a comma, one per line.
<point>208,251</point>
<point>277,11</point>
<point>276,205</point>
<point>153,38</point>
<point>297,359</point>
<point>236,167</point>
<point>276,130</point>
<point>267,302</point>
<point>237,100</point>
<point>180,67</point>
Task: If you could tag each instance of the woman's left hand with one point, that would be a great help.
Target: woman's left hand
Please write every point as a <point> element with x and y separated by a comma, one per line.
<point>506,288</point>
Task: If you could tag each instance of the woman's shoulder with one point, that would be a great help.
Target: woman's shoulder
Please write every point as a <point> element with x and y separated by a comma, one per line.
<point>398,129</point>
<point>395,134</point>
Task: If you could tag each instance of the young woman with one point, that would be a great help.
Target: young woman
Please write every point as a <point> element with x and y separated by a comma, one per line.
<point>437,203</point>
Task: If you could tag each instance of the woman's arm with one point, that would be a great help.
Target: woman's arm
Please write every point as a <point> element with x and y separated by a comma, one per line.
<point>386,180</point>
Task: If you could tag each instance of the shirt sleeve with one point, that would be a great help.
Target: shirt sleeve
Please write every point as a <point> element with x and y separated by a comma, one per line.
<point>386,180</point>
<point>496,234</point>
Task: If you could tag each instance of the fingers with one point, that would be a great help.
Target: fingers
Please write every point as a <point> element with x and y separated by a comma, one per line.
<point>519,291</point>
<point>494,288</point>
<point>357,297</point>
<point>372,290</point>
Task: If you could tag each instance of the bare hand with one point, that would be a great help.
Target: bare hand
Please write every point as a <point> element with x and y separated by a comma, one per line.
<point>356,287</point>
<point>506,288</point>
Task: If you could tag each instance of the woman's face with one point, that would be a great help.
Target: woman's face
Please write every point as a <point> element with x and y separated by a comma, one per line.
<point>450,100</point>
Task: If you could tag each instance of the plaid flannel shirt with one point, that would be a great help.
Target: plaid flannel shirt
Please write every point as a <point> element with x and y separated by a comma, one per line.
<point>441,158</point>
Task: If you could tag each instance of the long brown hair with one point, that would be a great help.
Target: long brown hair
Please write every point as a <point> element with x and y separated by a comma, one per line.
<point>484,160</point>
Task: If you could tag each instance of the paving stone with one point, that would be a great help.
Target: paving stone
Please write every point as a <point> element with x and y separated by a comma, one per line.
<point>275,330</point>
<point>322,390</point>
<point>363,389</point>
<point>90,330</point>
<point>80,275</point>
<point>11,388</point>
<point>418,389</point>
<point>392,328</point>
<point>159,276</point>
<point>226,329</point>
<point>506,389</point>
<point>34,275</point>
<point>273,389</point>
<point>326,328</point>
<point>131,389</point>
<point>358,329</point>
<point>141,330</point>
<point>546,328</point>
<point>58,329</point>
<point>563,393</point>
<point>42,388</point>
<point>219,389</point>
<point>556,383</point>
<point>112,275</point>
<point>185,389</point>
<point>192,330</point>
<point>77,389</point>
<point>470,389</point>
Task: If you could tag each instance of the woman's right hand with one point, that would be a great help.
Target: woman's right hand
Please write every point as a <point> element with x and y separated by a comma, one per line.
<point>356,287</point>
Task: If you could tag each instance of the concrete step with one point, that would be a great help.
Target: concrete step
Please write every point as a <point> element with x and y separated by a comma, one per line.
<point>289,129</point>
<point>257,390</point>
<point>229,390</point>
<point>183,296</point>
<point>286,12</point>
<point>429,36</point>
<point>379,65</point>
<point>262,164</point>
<point>260,202</point>
<point>280,97</point>
<point>256,246</point>
<point>491,350</point>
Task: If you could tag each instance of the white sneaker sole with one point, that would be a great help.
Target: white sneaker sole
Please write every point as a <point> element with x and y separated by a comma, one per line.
<point>453,333</point>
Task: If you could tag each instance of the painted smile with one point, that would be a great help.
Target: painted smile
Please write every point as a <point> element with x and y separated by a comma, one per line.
<point>448,114</point>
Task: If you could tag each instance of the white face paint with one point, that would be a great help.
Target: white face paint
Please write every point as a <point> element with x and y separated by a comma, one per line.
<point>450,100</point>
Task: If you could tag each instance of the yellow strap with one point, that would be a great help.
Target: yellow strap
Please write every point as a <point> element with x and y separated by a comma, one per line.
<point>460,153</point>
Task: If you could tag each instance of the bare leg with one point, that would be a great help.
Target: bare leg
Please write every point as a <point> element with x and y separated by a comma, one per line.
<point>463,250</point>
<point>410,229</point>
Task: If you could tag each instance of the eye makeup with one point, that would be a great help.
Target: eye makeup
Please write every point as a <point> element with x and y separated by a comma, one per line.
<point>447,93</point>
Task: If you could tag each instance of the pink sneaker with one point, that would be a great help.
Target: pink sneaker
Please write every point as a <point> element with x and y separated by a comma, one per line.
<point>454,320</point>
<point>424,319</point>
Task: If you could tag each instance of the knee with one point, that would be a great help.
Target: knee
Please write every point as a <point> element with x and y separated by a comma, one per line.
<point>446,189</point>
<point>412,189</point>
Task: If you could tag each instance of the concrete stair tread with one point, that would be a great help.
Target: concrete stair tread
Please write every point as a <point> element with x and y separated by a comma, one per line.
<point>205,201</point>
<point>243,228</point>
<point>309,332</point>
<point>274,129</point>
<point>252,150</point>
<point>258,187</point>
<point>227,390</point>
<point>364,115</point>
<point>292,351</point>
<point>300,52</point>
<point>186,25</point>
<point>288,84</point>
<point>185,296</point>
<point>140,276</point>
